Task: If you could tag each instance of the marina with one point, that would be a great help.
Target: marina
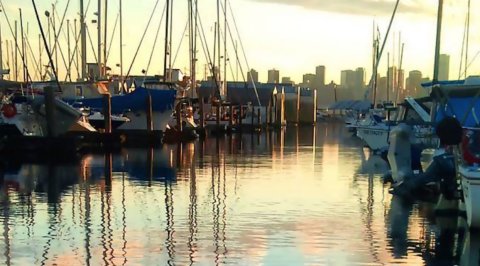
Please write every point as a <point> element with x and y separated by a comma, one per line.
<point>183,156</point>
<point>212,202</point>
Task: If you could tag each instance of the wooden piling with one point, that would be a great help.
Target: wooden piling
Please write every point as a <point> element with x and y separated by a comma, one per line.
<point>259,116</point>
<point>149,113</point>
<point>253,115</point>
<point>202,117</point>
<point>218,113</point>
<point>230,120</point>
<point>107,113</point>
<point>178,111</point>
<point>50,111</point>
<point>240,115</point>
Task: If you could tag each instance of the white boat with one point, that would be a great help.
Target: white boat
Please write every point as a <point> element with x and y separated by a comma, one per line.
<point>28,115</point>
<point>470,178</point>
<point>460,99</point>
<point>375,132</point>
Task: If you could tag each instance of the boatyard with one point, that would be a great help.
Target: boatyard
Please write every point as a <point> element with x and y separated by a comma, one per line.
<point>132,134</point>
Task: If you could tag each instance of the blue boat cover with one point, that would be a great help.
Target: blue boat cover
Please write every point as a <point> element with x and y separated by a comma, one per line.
<point>133,101</point>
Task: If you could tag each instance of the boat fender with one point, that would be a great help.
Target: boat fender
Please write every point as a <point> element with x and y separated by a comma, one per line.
<point>9,110</point>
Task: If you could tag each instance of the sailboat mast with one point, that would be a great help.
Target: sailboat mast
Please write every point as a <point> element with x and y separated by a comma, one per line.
<point>23,46</point>
<point>170,42</point>
<point>15,63</point>
<point>1,54</point>
<point>225,50</point>
<point>99,38</point>
<point>218,45</point>
<point>167,52</point>
<point>69,76</point>
<point>121,47</point>
<point>104,69</point>
<point>437,41</point>
<point>467,39</point>
<point>83,41</point>
<point>388,77</point>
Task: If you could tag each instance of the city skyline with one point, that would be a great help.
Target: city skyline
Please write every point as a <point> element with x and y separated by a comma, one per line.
<point>338,34</point>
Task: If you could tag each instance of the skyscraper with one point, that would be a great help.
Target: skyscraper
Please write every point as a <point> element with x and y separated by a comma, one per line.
<point>443,67</point>
<point>273,76</point>
<point>308,80</point>
<point>413,84</point>
<point>319,76</point>
<point>252,74</point>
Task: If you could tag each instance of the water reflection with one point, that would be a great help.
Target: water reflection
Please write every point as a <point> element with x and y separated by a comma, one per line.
<point>301,195</point>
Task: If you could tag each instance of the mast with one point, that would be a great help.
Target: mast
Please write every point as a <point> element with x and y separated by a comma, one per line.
<point>170,42</point>
<point>219,82</point>
<point>23,55</point>
<point>1,54</point>
<point>55,36</point>
<point>437,42</point>
<point>83,40</point>
<point>225,50</point>
<point>436,58</point>
<point>40,56</point>
<point>374,69</point>
<point>388,77</point>
<point>121,47</point>
<point>16,54</point>
<point>99,38</point>
<point>467,39</point>
<point>69,75</point>
<point>104,70</point>
<point>167,50</point>
<point>75,33</point>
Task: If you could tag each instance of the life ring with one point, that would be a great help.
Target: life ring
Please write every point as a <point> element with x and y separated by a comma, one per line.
<point>9,110</point>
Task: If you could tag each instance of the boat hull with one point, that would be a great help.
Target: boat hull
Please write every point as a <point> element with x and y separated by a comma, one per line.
<point>470,177</point>
<point>375,137</point>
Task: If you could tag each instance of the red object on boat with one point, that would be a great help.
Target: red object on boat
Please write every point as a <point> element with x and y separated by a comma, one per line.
<point>470,146</point>
<point>9,110</point>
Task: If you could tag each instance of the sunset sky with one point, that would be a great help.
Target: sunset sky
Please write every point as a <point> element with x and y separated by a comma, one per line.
<point>291,36</point>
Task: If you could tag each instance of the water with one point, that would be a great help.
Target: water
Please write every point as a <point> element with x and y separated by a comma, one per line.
<point>305,196</point>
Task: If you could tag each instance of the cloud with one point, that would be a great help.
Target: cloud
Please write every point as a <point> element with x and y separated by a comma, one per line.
<point>362,7</point>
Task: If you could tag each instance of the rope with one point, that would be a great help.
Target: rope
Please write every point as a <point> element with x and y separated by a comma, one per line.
<point>155,42</point>
<point>141,41</point>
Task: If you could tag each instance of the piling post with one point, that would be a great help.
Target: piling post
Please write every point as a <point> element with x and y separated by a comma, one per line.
<point>107,112</point>
<point>218,113</point>
<point>202,117</point>
<point>259,116</point>
<point>230,118</point>
<point>149,113</point>
<point>253,115</point>
<point>50,111</point>
<point>178,111</point>
<point>240,115</point>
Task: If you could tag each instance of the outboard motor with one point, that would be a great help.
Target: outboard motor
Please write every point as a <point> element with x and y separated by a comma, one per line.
<point>399,152</point>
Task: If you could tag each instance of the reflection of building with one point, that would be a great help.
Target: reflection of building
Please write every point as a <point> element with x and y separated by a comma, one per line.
<point>443,67</point>
<point>252,75</point>
<point>273,76</point>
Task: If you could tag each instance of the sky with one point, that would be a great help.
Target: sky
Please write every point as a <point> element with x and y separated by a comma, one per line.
<point>290,36</point>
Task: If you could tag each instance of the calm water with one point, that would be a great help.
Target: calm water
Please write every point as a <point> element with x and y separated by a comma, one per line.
<point>305,196</point>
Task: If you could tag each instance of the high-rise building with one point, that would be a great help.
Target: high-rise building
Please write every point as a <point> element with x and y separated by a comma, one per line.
<point>319,76</point>
<point>252,75</point>
<point>347,79</point>
<point>308,80</point>
<point>413,84</point>
<point>273,76</point>
<point>287,80</point>
<point>443,67</point>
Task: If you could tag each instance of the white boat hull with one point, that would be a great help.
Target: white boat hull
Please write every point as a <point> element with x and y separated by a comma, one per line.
<point>138,120</point>
<point>375,137</point>
<point>470,177</point>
